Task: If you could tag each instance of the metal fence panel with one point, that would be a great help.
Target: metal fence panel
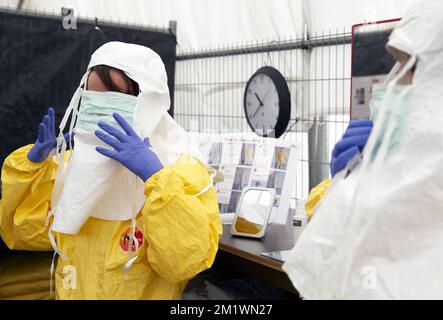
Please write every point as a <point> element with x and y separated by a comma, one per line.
<point>209,90</point>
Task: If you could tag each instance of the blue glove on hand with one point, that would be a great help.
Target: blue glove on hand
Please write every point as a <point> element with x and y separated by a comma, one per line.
<point>46,140</point>
<point>129,149</point>
<point>352,143</point>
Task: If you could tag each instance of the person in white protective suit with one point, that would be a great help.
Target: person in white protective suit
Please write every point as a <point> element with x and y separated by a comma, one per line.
<point>377,234</point>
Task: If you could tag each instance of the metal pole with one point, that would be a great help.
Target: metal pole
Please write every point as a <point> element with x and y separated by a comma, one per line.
<point>279,46</point>
<point>173,28</point>
<point>173,31</point>
<point>318,152</point>
<point>20,5</point>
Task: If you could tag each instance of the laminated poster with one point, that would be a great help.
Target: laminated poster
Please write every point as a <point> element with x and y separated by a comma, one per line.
<point>264,163</point>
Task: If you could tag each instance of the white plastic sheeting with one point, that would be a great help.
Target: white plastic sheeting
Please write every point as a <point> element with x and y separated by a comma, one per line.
<point>343,14</point>
<point>213,23</point>
<point>201,23</point>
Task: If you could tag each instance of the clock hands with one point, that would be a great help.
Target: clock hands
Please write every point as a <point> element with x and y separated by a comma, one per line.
<point>260,105</point>
<point>261,101</point>
<point>258,98</point>
<point>256,111</point>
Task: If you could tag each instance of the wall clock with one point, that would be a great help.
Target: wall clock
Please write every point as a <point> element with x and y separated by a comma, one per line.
<point>267,103</point>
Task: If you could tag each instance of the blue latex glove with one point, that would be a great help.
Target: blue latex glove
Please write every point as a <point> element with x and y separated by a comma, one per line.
<point>46,140</point>
<point>129,149</point>
<point>351,144</point>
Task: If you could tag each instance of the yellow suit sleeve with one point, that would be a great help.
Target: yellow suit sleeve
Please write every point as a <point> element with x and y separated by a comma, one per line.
<point>182,229</point>
<point>25,203</point>
<point>315,196</point>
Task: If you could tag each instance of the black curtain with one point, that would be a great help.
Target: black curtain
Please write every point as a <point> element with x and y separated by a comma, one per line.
<point>369,55</point>
<point>41,64</point>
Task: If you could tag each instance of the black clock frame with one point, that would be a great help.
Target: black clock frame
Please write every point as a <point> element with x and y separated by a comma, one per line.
<point>284,100</point>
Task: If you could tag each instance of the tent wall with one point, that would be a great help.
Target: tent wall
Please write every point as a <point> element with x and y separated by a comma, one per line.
<point>217,23</point>
<point>339,14</point>
<point>201,23</point>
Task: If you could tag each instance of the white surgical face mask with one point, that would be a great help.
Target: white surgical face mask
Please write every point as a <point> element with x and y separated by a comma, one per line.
<point>390,104</point>
<point>396,103</point>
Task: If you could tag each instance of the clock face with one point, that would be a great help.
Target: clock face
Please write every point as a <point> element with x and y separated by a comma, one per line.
<point>262,104</point>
